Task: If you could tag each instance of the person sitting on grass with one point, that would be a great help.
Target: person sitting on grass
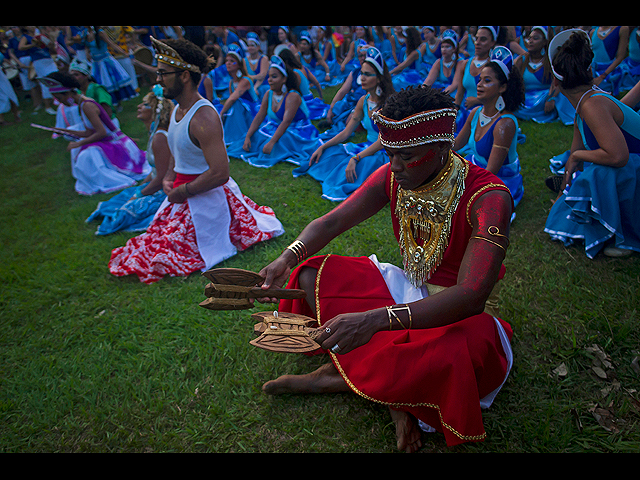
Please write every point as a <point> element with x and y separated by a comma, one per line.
<point>424,340</point>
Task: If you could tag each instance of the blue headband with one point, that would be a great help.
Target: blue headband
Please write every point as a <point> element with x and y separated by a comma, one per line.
<point>278,63</point>
<point>503,57</point>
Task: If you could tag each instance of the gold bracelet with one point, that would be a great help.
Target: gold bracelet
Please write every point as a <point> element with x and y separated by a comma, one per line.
<point>299,249</point>
<point>391,313</point>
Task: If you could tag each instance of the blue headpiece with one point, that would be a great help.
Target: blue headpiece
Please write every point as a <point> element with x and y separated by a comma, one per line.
<point>374,57</point>
<point>494,31</point>
<point>236,51</point>
<point>451,36</point>
<point>252,37</point>
<point>544,30</point>
<point>304,35</point>
<point>278,63</point>
<point>503,57</point>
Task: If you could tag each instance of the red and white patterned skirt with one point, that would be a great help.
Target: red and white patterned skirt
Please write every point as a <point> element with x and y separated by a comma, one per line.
<point>170,244</point>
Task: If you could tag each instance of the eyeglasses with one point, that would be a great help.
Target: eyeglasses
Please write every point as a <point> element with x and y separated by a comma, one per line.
<point>162,73</point>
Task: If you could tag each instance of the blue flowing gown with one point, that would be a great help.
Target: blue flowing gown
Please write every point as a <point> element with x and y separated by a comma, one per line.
<point>331,168</point>
<point>603,202</point>
<point>295,146</point>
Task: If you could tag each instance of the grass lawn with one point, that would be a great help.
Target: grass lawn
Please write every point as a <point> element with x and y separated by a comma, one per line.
<point>94,363</point>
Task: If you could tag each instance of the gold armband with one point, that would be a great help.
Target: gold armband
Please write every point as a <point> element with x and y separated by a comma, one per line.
<point>299,249</point>
<point>494,232</point>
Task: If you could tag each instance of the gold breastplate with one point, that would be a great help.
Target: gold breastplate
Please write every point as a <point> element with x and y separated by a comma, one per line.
<point>425,214</point>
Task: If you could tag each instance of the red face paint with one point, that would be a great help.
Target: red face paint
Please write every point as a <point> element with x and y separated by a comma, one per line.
<point>430,155</point>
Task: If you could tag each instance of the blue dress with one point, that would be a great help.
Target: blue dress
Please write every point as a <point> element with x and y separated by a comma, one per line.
<point>411,75</point>
<point>470,85</point>
<point>295,146</point>
<point>604,53</point>
<point>536,95</point>
<point>602,202</point>
<point>253,69</point>
<point>317,108</point>
<point>480,150</point>
<point>630,66</point>
<point>443,81</point>
<point>330,169</point>
<point>238,118</point>
<point>108,72</point>
<point>345,106</point>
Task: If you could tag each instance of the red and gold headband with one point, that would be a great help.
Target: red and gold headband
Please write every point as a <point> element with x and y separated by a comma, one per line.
<point>419,129</point>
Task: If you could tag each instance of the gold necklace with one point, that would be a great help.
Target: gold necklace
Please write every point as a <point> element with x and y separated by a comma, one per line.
<point>426,213</point>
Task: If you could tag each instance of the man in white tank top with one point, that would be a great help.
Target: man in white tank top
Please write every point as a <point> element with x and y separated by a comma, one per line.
<point>179,81</point>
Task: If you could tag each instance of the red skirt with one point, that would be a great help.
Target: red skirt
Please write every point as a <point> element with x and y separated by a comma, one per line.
<point>439,375</point>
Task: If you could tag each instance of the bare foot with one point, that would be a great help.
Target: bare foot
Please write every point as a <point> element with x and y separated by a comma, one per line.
<point>325,379</point>
<point>408,433</point>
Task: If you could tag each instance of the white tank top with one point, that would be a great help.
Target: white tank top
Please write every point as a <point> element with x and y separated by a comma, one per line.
<point>189,159</point>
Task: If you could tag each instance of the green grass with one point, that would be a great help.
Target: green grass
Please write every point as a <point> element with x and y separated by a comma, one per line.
<point>94,363</point>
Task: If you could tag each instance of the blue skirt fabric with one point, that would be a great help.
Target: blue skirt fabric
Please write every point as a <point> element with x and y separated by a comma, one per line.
<point>330,169</point>
<point>112,76</point>
<point>296,146</point>
<point>602,204</point>
<point>238,119</point>
<point>317,108</point>
<point>128,211</point>
<point>533,108</point>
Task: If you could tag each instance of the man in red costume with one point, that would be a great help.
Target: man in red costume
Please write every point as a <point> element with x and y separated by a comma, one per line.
<point>425,340</point>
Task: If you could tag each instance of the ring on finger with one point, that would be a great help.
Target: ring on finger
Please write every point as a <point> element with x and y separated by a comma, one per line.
<point>335,348</point>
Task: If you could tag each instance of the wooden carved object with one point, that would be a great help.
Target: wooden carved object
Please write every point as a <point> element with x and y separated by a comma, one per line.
<point>285,332</point>
<point>233,289</point>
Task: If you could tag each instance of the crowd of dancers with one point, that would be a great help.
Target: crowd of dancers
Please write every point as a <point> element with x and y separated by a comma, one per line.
<point>267,85</point>
<point>438,109</point>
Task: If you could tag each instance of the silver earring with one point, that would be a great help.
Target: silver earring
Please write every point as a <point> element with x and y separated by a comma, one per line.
<point>500,106</point>
<point>378,91</point>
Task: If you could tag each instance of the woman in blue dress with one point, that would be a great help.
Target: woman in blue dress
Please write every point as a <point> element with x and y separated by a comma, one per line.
<point>598,204</point>
<point>381,39</point>
<point>360,35</point>
<point>444,69</point>
<point>429,49</point>
<point>609,45</point>
<point>281,131</point>
<point>491,131</point>
<point>311,60</point>
<point>134,208</point>
<point>257,64</point>
<point>342,167</point>
<point>243,103</point>
<point>467,74</point>
<point>539,104</point>
<point>316,106</point>
<point>630,66</point>
<point>408,72</point>
<point>105,68</point>
<point>345,99</point>
<point>327,50</point>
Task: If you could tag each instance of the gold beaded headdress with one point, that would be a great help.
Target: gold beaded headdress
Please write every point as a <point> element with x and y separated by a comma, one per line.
<point>168,56</point>
<point>419,129</point>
